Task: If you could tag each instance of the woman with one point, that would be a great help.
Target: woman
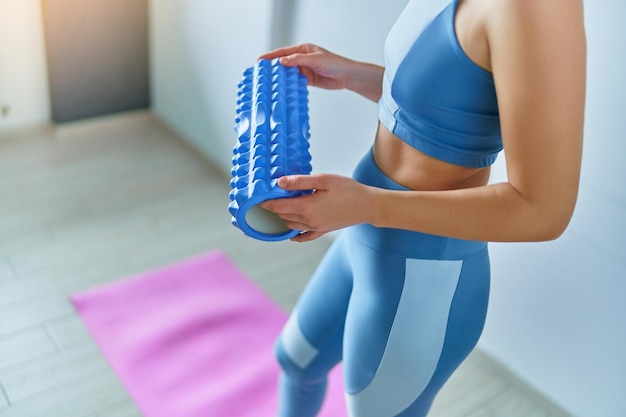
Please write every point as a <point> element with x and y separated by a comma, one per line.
<point>401,296</point>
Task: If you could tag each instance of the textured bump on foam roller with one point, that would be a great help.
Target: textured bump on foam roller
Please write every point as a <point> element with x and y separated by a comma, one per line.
<point>272,127</point>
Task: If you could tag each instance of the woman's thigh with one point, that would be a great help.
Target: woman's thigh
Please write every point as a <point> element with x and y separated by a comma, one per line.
<point>402,316</point>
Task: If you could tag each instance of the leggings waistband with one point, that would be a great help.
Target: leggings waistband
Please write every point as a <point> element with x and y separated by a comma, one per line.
<point>406,243</point>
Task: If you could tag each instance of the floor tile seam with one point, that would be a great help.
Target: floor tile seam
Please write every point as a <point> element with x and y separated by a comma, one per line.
<point>109,244</point>
<point>65,288</point>
<point>515,390</point>
<point>32,325</point>
<point>23,364</point>
<point>3,393</point>
<point>26,329</point>
<point>9,267</point>
<point>54,390</point>
<point>62,380</point>
<point>63,278</point>
<point>52,338</point>
<point>484,405</point>
<point>531,393</point>
<point>57,346</point>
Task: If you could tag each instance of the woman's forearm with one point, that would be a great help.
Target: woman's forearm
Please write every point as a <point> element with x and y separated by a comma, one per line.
<point>495,212</point>
<point>498,212</point>
<point>365,79</point>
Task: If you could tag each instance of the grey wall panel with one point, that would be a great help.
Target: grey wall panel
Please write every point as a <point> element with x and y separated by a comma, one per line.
<point>97,54</point>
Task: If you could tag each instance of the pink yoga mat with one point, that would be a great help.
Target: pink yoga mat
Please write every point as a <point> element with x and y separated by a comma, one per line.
<point>193,339</point>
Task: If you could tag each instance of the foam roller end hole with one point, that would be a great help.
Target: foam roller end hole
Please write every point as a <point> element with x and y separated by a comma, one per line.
<point>265,221</point>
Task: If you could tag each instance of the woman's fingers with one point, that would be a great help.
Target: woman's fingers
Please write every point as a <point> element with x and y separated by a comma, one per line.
<point>304,48</point>
<point>334,203</point>
<point>280,52</point>
<point>296,205</point>
<point>322,68</point>
<point>291,210</point>
<point>307,236</point>
<point>306,60</point>
<point>297,226</point>
<point>302,182</point>
<point>284,207</point>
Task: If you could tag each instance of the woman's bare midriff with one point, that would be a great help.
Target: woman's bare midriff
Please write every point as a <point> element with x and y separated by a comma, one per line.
<point>417,171</point>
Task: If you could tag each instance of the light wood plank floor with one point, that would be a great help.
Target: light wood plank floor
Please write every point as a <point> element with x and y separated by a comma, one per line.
<point>95,201</point>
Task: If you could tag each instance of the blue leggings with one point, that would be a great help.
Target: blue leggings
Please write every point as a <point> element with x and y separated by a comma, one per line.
<point>401,309</point>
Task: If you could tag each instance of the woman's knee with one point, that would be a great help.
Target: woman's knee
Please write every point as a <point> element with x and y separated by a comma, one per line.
<point>295,370</point>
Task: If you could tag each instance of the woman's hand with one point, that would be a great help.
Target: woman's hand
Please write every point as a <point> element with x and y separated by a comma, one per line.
<point>337,202</point>
<point>321,67</point>
<point>327,70</point>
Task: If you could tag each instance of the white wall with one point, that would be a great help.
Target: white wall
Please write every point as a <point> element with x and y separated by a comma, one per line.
<point>343,124</point>
<point>558,309</point>
<point>558,313</point>
<point>199,50</point>
<point>23,71</point>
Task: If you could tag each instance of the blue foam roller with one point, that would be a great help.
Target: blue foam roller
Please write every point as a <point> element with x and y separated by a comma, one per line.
<point>272,126</point>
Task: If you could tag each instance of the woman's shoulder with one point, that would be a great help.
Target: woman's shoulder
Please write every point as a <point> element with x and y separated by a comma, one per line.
<point>536,11</point>
<point>535,21</point>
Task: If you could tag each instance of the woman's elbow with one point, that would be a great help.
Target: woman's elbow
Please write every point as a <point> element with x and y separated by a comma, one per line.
<point>551,233</point>
<point>553,223</point>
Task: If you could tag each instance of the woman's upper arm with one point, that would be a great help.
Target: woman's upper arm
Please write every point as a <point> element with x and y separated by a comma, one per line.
<point>538,58</point>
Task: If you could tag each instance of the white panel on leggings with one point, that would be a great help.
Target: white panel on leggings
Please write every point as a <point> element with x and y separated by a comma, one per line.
<point>415,341</point>
<point>299,349</point>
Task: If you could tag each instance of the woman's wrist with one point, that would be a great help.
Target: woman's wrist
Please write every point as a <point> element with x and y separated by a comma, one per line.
<point>373,206</point>
<point>365,79</point>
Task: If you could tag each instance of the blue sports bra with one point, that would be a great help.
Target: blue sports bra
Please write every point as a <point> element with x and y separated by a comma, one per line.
<point>434,97</point>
